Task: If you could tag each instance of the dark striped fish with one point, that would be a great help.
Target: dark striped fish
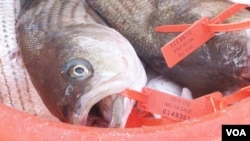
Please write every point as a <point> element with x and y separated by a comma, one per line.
<point>16,89</point>
<point>78,65</point>
<point>221,64</point>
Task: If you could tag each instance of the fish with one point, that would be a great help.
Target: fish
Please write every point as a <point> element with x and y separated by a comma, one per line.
<point>78,65</point>
<point>16,90</point>
<point>220,64</point>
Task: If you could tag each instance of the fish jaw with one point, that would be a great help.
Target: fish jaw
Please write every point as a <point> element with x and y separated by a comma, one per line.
<point>112,106</point>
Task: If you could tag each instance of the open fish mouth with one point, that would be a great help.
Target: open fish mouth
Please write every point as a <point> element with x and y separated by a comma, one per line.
<point>95,117</point>
<point>103,106</point>
<point>110,112</point>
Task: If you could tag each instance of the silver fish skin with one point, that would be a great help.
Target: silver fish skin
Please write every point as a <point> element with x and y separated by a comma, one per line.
<point>78,65</point>
<point>221,64</point>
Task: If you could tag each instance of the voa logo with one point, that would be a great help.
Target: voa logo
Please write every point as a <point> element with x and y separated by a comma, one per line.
<point>236,132</point>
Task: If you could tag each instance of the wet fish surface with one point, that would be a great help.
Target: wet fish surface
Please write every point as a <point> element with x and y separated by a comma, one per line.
<point>221,64</point>
<point>78,65</point>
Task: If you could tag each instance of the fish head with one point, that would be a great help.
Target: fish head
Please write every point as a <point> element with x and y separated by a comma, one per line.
<point>85,70</point>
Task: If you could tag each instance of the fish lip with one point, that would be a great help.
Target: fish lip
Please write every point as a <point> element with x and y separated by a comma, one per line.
<point>114,86</point>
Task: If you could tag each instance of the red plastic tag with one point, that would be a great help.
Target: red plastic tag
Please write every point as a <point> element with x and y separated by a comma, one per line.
<point>197,34</point>
<point>179,109</point>
<point>228,13</point>
<point>187,42</point>
<point>216,20</point>
<point>174,107</point>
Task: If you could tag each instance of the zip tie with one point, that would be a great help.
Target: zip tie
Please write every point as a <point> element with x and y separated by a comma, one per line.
<point>197,34</point>
<point>174,109</point>
<point>214,23</point>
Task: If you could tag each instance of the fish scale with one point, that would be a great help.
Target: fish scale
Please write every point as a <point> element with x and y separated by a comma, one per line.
<point>16,89</point>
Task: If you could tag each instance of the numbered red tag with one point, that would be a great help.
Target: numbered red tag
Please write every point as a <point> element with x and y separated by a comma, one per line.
<point>179,109</point>
<point>187,42</point>
<point>176,108</point>
<point>193,36</point>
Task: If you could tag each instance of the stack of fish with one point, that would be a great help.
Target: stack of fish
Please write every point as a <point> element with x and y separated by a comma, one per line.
<point>80,66</point>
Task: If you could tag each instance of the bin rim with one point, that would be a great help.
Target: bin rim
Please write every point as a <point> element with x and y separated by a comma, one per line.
<point>17,125</point>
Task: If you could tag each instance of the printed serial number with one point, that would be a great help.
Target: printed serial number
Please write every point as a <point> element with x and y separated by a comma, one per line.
<point>175,115</point>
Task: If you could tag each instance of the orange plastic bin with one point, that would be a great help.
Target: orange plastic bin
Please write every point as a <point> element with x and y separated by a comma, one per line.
<point>19,126</point>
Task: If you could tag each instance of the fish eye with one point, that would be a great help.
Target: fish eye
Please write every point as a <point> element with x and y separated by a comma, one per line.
<point>77,69</point>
